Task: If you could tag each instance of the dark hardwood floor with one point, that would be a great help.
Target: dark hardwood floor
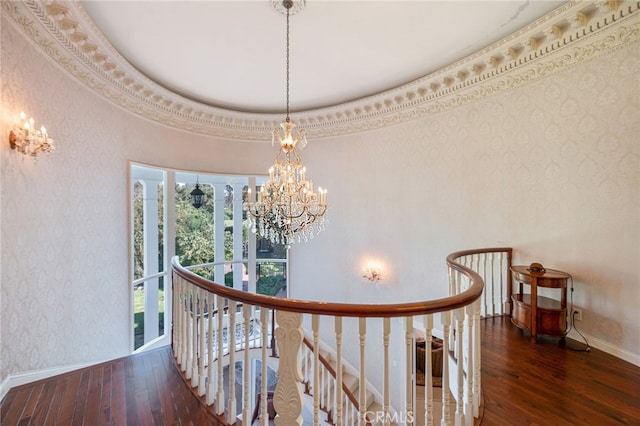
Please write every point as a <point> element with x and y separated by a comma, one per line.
<point>142,389</point>
<point>544,384</point>
<point>523,384</point>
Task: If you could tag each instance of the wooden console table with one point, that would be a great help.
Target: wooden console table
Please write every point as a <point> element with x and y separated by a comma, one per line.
<point>539,314</point>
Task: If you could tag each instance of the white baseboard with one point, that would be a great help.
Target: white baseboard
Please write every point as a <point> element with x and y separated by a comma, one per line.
<point>154,344</point>
<point>4,388</point>
<point>607,347</point>
<point>32,376</point>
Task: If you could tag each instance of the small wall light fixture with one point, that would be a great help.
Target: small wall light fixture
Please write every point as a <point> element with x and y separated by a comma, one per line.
<point>27,140</point>
<point>372,272</point>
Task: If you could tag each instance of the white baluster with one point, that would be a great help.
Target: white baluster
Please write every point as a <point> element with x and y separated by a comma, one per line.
<point>347,410</point>
<point>246,368</point>
<point>452,288</point>
<point>445,318</point>
<point>324,388</point>
<point>288,396</point>
<point>339,392</point>
<point>305,353</point>
<point>457,277</point>
<point>410,369</point>
<point>485,274</point>
<point>476,268</point>
<point>469,367</point>
<point>329,385</point>
<point>186,298</point>
<point>193,351</point>
<point>178,314</point>
<point>476,359</point>
<point>386,331</point>
<point>220,397</point>
<point>210,348</point>
<point>494,311</point>
<point>459,325</point>
<point>264,324</point>
<point>175,329</point>
<point>321,389</point>
<point>503,290</point>
<point>469,260</point>
<point>363,375</point>
<point>195,306</point>
<point>428,370</point>
<point>202,381</point>
<point>190,341</point>
<point>181,333</point>
<point>231,402</point>
<point>315,326</point>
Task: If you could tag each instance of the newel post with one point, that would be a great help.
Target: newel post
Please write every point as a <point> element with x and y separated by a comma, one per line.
<point>287,400</point>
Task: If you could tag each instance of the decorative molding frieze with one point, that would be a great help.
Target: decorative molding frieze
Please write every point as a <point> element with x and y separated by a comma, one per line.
<point>575,32</point>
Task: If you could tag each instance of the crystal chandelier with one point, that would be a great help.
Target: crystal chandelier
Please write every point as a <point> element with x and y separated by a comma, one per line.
<point>287,208</point>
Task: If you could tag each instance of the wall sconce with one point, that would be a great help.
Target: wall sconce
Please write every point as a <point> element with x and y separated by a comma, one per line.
<point>27,140</point>
<point>372,272</point>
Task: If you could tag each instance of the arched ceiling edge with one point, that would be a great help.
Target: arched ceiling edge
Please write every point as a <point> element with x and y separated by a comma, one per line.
<point>573,33</point>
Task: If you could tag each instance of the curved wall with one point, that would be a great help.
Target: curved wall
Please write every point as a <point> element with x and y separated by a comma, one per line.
<point>550,168</point>
<point>65,292</point>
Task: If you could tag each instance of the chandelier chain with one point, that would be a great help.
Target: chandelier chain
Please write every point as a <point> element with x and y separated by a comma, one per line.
<point>288,5</point>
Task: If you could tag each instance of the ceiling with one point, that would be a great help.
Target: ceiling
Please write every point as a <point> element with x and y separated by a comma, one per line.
<point>231,54</point>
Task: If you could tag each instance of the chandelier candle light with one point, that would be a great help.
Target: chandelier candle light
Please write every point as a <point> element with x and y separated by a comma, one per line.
<point>287,209</point>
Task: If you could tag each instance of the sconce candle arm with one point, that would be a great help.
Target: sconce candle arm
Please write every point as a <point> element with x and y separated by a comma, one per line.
<point>25,139</point>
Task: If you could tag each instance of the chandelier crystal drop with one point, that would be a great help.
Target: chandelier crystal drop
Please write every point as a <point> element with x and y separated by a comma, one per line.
<point>287,209</point>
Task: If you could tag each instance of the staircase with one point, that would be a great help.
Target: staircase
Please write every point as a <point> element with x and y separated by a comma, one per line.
<point>328,383</point>
<point>351,388</point>
<point>213,326</point>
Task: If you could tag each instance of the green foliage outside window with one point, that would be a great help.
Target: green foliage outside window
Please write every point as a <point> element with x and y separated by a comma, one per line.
<point>195,237</point>
<point>194,227</point>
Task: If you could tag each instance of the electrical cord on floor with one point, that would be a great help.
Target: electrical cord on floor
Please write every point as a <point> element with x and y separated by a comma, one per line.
<point>572,325</point>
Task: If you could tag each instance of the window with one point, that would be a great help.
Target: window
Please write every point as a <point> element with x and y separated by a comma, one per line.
<point>214,240</point>
<point>148,254</point>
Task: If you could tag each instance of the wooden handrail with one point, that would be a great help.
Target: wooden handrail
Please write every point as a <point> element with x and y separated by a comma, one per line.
<point>372,310</point>
<point>451,261</point>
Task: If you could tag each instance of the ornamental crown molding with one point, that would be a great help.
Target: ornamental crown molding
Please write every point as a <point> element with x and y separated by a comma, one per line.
<point>573,33</point>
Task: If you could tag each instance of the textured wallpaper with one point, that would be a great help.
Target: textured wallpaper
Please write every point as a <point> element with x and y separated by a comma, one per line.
<point>550,168</point>
<point>65,297</point>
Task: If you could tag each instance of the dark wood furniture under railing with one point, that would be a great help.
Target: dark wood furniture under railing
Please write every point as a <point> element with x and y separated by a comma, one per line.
<point>539,314</point>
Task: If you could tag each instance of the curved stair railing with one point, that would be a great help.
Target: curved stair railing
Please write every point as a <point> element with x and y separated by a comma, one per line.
<point>210,319</point>
<point>493,265</point>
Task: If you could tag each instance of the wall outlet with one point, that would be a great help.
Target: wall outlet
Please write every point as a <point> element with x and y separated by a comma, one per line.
<point>577,314</point>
